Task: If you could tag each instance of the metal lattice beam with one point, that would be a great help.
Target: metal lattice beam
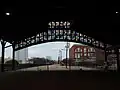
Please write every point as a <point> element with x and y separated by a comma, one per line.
<point>59,31</point>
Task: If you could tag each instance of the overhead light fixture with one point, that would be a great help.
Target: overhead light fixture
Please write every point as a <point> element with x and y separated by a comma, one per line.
<point>116,12</point>
<point>7,14</point>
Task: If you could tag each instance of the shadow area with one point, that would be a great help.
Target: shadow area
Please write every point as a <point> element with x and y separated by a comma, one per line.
<point>59,80</point>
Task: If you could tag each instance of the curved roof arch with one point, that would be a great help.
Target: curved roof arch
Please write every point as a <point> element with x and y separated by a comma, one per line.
<point>59,35</point>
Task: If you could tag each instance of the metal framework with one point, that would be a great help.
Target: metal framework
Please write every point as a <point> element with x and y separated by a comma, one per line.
<point>59,31</point>
<point>115,52</point>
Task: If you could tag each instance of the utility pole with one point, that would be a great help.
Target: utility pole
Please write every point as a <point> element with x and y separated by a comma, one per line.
<point>60,54</point>
<point>67,47</point>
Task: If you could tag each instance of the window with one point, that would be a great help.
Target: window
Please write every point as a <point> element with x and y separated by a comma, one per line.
<point>91,49</point>
<point>78,55</point>
<point>112,51</point>
<point>78,49</point>
<point>84,49</point>
<point>75,55</point>
<point>81,54</point>
<point>85,54</point>
<point>88,54</point>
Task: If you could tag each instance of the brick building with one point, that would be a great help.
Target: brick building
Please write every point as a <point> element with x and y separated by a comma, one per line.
<point>83,52</point>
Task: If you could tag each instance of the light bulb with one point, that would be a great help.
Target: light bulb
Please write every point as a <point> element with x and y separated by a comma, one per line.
<point>8,14</point>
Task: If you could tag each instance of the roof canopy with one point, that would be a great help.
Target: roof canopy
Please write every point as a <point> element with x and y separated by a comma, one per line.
<point>29,18</point>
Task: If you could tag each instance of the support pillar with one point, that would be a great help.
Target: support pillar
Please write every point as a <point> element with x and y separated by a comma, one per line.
<point>13,57</point>
<point>118,64</point>
<point>66,57</point>
<point>3,52</point>
<point>106,54</point>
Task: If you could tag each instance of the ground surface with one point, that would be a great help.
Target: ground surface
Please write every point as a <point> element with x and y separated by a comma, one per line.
<point>55,67</point>
<point>59,80</point>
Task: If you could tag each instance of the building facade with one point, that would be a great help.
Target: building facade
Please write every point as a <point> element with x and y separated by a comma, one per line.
<point>22,55</point>
<point>82,52</point>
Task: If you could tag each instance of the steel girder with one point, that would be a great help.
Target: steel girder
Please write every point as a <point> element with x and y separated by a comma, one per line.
<point>59,31</point>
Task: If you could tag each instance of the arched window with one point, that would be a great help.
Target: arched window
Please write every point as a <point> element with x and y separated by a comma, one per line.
<point>76,50</point>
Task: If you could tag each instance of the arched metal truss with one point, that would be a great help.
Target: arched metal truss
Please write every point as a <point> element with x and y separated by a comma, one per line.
<point>59,31</point>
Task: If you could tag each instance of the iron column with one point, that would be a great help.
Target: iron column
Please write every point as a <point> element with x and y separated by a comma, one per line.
<point>118,65</point>
<point>66,56</point>
<point>13,61</point>
<point>67,46</point>
<point>3,51</point>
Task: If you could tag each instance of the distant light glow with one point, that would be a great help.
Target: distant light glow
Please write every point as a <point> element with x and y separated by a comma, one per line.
<point>116,12</point>
<point>8,14</point>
